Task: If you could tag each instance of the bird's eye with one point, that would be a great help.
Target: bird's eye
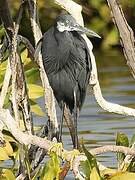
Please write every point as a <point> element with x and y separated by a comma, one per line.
<point>61,23</point>
<point>67,21</point>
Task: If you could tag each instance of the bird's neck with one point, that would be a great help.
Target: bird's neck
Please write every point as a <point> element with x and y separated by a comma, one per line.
<point>61,37</point>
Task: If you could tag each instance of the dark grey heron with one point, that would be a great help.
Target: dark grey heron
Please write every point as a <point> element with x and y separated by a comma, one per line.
<point>67,63</point>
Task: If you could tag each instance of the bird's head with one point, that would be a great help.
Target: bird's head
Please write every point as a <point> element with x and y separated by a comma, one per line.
<point>68,23</point>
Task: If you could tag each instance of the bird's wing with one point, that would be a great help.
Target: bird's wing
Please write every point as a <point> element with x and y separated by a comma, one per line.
<point>80,63</point>
<point>55,54</point>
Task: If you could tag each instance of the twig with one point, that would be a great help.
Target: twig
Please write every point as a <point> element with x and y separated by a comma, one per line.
<point>5,84</point>
<point>126,33</point>
<point>3,96</point>
<point>112,148</point>
<point>28,45</point>
<point>3,48</point>
<point>49,97</point>
<point>22,98</point>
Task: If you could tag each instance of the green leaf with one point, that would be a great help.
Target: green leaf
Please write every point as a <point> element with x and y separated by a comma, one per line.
<point>26,161</point>
<point>52,168</point>
<point>92,163</point>
<point>131,166</point>
<point>3,66</point>
<point>91,159</point>
<point>85,168</point>
<point>32,75</point>
<point>132,141</point>
<point>36,108</point>
<point>24,56</point>
<point>35,91</point>
<point>7,99</point>
<point>2,32</point>
<point>121,140</point>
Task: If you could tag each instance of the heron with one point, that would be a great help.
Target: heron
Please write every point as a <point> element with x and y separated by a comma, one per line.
<point>67,63</point>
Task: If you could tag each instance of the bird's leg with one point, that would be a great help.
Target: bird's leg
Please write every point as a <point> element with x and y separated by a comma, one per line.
<point>61,121</point>
<point>69,121</point>
<point>75,114</point>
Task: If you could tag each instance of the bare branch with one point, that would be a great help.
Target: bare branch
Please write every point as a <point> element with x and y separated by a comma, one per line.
<point>49,97</point>
<point>110,107</point>
<point>28,45</point>
<point>126,33</point>
<point>28,139</point>
<point>5,85</point>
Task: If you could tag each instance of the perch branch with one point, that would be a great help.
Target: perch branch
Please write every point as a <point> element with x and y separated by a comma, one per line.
<point>28,139</point>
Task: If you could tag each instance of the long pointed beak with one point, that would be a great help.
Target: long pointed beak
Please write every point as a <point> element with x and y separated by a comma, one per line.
<point>85,31</point>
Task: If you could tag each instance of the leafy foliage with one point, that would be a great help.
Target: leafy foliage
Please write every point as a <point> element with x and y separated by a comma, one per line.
<point>90,168</point>
<point>121,140</point>
<point>51,169</point>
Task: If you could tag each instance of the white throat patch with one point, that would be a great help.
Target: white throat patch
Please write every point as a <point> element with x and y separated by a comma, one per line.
<point>61,27</point>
